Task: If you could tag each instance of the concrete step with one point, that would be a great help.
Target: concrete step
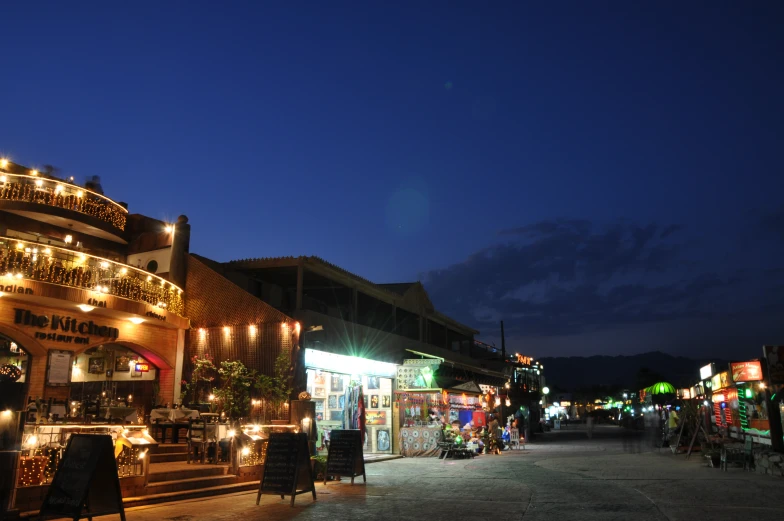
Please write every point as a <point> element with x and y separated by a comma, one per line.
<point>196,471</point>
<point>198,483</point>
<point>166,497</point>
<point>169,457</point>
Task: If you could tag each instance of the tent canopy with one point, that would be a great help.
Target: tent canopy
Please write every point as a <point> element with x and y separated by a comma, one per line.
<point>661,388</point>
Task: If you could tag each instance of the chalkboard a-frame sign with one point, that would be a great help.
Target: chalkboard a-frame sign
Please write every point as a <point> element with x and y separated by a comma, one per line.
<point>287,469</point>
<point>86,483</point>
<point>345,457</point>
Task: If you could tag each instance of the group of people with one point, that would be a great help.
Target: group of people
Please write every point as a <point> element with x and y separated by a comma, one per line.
<point>489,439</point>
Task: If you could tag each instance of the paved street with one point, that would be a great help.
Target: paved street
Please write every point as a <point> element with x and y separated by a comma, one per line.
<point>563,477</point>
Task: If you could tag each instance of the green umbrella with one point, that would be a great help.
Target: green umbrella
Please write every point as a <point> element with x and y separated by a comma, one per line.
<point>661,388</point>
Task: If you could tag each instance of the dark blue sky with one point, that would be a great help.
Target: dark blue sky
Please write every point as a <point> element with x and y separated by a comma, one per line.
<point>605,177</point>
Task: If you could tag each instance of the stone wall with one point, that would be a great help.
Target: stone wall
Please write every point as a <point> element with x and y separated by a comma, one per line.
<point>769,462</point>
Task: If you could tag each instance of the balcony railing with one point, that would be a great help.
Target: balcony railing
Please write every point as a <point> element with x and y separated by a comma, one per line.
<point>52,192</point>
<point>35,261</point>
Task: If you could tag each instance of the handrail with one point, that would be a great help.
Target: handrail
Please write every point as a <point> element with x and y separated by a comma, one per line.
<point>55,265</point>
<point>55,192</point>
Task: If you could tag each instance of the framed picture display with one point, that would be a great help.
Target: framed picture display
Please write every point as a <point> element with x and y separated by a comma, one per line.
<point>96,365</point>
<point>383,441</point>
<point>336,384</point>
<point>319,392</point>
<point>333,401</point>
<point>122,364</point>
<point>318,378</point>
<point>372,382</point>
<point>374,401</point>
<point>336,415</point>
<point>386,401</point>
<point>319,405</point>
<point>58,367</point>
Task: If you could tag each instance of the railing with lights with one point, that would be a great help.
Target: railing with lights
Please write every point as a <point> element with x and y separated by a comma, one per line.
<point>54,265</point>
<point>53,192</point>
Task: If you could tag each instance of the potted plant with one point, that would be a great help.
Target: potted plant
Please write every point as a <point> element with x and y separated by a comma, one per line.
<point>202,378</point>
<point>274,390</point>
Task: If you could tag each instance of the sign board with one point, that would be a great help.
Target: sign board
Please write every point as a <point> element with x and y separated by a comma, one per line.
<point>345,457</point>
<point>142,368</point>
<point>720,381</point>
<point>86,483</point>
<point>417,374</point>
<point>746,371</point>
<point>343,364</point>
<point>775,357</point>
<point>287,469</point>
<point>58,368</point>
<point>706,372</point>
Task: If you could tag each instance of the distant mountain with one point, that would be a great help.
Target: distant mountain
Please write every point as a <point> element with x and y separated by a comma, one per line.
<point>579,372</point>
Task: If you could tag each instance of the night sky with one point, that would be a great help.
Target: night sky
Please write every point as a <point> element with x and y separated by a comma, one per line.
<point>607,178</point>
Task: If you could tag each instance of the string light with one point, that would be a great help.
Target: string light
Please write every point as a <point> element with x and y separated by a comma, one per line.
<point>59,266</point>
<point>24,189</point>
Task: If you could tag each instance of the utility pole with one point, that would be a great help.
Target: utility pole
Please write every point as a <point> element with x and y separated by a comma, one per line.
<point>503,342</point>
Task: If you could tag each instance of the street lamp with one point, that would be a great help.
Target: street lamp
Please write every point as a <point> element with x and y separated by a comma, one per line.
<point>545,392</point>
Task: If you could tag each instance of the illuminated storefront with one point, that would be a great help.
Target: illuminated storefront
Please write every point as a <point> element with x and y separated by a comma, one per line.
<point>335,383</point>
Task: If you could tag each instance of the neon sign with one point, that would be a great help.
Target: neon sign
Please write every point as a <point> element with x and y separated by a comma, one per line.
<point>142,368</point>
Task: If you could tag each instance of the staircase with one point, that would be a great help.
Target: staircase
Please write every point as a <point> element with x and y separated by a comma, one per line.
<point>173,479</point>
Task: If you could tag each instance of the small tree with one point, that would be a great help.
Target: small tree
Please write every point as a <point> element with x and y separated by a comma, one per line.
<point>202,378</point>
<point>274,390</point>
<point>234,393</point>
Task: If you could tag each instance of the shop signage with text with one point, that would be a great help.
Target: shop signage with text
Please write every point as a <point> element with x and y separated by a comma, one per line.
<point>61,326</point>
<point>16,289</point>
<point>142,368</point>
<point>746,371</point>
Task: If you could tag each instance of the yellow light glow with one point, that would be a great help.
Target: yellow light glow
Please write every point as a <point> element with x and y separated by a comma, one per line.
<point>231,433</point>
<point>142,455</point>
<point>149,278</point>
<point>86,307</point>
<point>33,172</point>
<point>123,271</point>
<point>39,183</point>
<point>3,179</point>
<point>19,246</point>
<point>79,194</point>
<point>169,228</point>
<point>284,325</point>
<point>58,189</point>
<point>252,330</point>
<point>18,275</point>
<point>226,329</point>
<point>136,320</point>
<point>32,441</point>
<point>762,385</point>
<point>297,327</point>
<point>68,239</point>
<point>3,163</point>
<point>104,265</point>
<point>211,397</point>
<point>7,413</point>
<point>245,451</point>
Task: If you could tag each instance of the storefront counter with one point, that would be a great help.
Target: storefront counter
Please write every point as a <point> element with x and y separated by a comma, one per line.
<point>418,442</point>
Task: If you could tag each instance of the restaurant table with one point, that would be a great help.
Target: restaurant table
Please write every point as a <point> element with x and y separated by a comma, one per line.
<point>173,414</point>
<point>128,414</point>
<point>420,441</point>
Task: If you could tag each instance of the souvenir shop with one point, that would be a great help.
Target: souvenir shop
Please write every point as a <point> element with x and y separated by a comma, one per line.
<point>430,397</point>
<point>351,393</point>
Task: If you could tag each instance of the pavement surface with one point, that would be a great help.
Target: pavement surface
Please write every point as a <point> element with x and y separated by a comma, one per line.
<point>564,476</point>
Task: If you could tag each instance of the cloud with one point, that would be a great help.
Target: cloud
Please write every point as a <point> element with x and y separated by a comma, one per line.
<point>570,277</point>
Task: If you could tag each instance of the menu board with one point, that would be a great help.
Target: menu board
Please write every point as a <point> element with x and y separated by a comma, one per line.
<point>58,368</point>
<point>345,457</point>
<point>287,469</point>
<point>86,478</point>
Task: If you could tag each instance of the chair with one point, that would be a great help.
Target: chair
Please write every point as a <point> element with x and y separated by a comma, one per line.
<point>197,437</point>
<point>514,439</point>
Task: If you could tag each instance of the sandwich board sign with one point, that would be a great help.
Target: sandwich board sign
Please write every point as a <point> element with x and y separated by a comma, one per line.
<point>86,483</point>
